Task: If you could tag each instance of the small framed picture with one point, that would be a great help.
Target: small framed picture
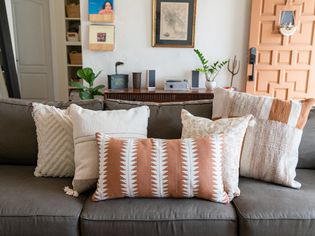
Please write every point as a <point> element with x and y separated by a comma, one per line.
<point>101,10</point>
<point>102,38</point>
<point>173,23</point>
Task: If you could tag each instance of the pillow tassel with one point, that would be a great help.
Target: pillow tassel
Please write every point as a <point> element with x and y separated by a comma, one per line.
<point>70,192</point>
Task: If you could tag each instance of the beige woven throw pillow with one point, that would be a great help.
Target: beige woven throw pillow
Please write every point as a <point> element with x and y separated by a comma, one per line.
<point>270,150</point>
<point>55,141</point>
<point>234,131</point>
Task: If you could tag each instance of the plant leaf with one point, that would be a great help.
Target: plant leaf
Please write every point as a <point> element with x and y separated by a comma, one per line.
<point>77,85</point>
<point>87,75</point>
<point>86,95</point>
<point>97,88</point>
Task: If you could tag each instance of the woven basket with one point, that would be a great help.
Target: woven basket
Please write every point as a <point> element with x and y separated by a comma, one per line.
<point>73,10</point>
<point>75,58</point>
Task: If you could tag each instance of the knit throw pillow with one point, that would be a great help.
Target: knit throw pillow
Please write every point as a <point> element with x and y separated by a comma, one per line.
<point>234,131</point>
<point>55,142</point>
<point>158,168</point>
<point>131,123</point>
<point>270,150</point>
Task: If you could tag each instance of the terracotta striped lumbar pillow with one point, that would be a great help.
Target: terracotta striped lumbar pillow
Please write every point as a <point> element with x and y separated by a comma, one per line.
<point>160,168</point>
<point>270,150</point>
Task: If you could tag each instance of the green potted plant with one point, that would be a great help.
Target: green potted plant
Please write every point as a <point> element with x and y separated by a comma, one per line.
<point>211,71</point>
<point>87,92</point>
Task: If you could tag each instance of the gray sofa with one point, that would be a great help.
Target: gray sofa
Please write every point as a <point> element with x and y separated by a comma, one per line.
<point>37,206</point>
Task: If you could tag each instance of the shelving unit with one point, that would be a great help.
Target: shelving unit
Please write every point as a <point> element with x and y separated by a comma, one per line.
<point>73,43</point>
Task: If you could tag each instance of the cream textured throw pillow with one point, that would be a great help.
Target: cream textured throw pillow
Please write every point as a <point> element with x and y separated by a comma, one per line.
<point>55,142</point>
<point>234,132</point>
<point>182,168</point>
<point>131,123</point>
<point>270,151</point>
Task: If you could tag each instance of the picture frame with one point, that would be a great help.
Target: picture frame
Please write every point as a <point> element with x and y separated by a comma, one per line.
<point>101,37</point>
<point>173,23</point>
<point>101,11</point>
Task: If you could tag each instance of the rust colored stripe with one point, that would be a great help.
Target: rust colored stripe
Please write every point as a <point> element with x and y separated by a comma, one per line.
<point>174,169</point>
<point>280,111</point>
<point>144,178</point>
<point>113,168</point>
<point>205,168</point>
<point>305,111</point>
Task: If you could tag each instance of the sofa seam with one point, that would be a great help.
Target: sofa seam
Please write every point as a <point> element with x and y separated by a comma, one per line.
<point>239,213</point>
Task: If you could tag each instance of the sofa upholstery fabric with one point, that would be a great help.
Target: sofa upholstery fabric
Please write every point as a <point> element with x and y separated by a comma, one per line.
<point>165,118</point>
<point>307,147</point>
<point>268,209</point>
<point>18,143</point>
<point>158,217</point>
<point>36,206</point>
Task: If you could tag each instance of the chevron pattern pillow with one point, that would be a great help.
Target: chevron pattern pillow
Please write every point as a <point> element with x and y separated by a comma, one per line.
<point>55,142</point>
<point>158,168</point>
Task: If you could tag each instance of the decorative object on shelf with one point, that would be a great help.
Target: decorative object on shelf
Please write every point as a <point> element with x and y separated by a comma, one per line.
<point>73,37</point>
<point>118,81</point>
<point>136,79</point>
<point>195,79</point>
<point>173,23</point>
<point>287,23</point>
<point>89,77</point>
<point>211,71</point>
<point>151,80</point>
<point>73,10</point>
<point>102,38</point>
<point>101,11</point>
<point>176,85</point>
<point>75,58</point>
<point>234,69</point>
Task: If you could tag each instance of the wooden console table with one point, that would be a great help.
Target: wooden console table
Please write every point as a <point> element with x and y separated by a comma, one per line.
<point>158,95</point>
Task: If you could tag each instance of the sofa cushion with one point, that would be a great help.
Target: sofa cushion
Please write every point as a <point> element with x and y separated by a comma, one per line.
<point>18,143</point>
<point>165,118</point>
<point>267,209</point>
<point>307,147</point>
<point>36,206</point>
<point>182,217</point>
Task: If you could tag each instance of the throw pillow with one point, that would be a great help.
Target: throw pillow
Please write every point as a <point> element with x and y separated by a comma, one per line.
<point>160,168</point>
<point>234,131</point>
<point>120,123</point>
<point>270,150</point>
<point>55,142</point>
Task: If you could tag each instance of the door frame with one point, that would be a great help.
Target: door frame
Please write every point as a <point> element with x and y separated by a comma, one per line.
<point>9,65</point>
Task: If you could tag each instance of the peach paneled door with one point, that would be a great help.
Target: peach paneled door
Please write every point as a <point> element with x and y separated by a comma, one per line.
<point>285,65</point>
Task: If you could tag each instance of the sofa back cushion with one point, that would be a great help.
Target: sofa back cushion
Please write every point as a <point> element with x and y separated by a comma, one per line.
<point>165,118</point>
<point>307,147</point>
<point>18,143</point>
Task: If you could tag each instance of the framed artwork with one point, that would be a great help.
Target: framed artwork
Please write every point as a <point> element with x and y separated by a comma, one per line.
<point>173,23</point>
<point>101,10</point>
<point>102,37</point>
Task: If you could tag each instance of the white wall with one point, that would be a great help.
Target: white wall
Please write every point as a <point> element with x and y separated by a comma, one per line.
<point>221,32</point>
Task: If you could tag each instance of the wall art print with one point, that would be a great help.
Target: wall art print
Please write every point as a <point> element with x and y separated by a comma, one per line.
<point>173,23</point>
<point>102,37</point>
<point>101,11</point>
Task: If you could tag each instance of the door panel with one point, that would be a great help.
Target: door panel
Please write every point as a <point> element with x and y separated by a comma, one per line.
<point>33,48</point>
<point>285,66</point>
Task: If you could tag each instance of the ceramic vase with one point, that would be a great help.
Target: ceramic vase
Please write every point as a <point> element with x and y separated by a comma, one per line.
<point>211,85</point>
